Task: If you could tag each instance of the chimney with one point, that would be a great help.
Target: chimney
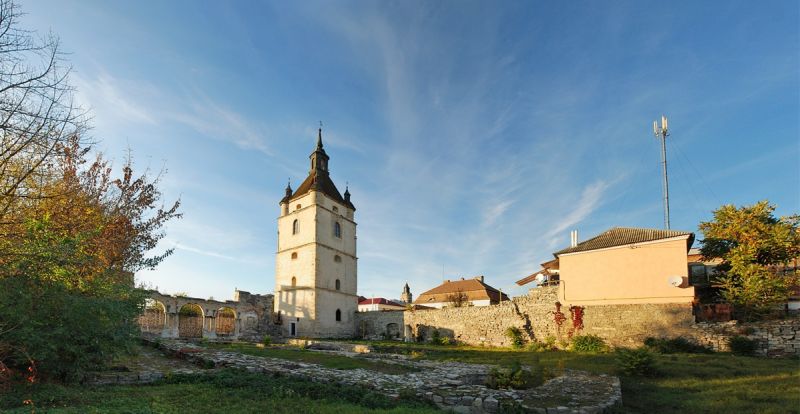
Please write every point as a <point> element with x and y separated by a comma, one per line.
<point>479,278</point>
<point>573,238</point>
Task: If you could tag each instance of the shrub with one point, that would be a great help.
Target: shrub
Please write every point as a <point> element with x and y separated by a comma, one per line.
<point>741,345</point>
<point>514,335</point>
<point>515,376</point>
<point>436,337</point>
<point>636,362</point>
<point>674,345</point>
<point>588,343</point>
<point>540,347</point>
<point>267,340</point>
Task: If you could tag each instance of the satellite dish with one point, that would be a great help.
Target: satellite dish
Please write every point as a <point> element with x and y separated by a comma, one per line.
<point>540,278</point>
<point>675,281</point>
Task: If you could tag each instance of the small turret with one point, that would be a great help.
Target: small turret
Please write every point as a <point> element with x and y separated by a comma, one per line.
<point>347,193</point>
<point>406,295</point>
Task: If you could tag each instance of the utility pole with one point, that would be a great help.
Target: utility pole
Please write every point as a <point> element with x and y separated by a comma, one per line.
<point>661,134</point>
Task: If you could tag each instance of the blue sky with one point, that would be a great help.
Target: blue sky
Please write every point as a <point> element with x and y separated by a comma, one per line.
<point>474,135</point>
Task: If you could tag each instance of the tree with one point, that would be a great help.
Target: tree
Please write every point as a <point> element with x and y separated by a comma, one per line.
<point>755,248</point>
<point>37,109</point>
<point>67,292</point>
<point>458,299</point>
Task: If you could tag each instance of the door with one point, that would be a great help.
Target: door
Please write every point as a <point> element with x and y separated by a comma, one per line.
<point>292,329</point>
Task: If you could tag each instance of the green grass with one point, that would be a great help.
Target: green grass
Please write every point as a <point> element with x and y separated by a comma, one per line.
<point>314,357</point>
<point>228,391</point>
<point>697,383</point>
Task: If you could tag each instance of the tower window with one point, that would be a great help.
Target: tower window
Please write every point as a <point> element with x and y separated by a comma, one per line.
<point>294,281</point>
<point>298,207</point>
<point>295,227</point>
<point>294,255</point>
<point>338,315</point>
<point>337,230</point>
<point>337,258</point>
<point>338,284</point>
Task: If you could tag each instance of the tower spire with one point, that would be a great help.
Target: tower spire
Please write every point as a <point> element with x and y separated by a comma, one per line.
<point>319,136</point>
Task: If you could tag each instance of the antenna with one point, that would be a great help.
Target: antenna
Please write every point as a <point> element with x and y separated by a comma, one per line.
<point>662,133</point>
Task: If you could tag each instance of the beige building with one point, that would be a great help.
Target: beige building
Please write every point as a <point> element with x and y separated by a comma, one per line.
<point>469,292</point>
<point>626,266</point>
<point>316,263</point>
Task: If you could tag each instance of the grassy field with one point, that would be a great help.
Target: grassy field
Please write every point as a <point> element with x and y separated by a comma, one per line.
<point>696,383</point>
<point>227,391</point>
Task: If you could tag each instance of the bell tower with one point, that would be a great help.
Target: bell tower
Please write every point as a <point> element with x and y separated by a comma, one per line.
<point>316,263</point>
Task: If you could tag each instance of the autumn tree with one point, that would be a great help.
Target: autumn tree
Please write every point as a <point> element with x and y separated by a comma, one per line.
<point>755,248</point>
<point>67,292</point>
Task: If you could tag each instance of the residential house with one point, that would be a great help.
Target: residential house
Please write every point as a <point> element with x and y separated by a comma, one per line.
<point>464,292</point>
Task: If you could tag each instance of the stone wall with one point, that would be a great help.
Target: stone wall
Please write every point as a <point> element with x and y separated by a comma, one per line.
<point>774,338</point>
<point>619,325</point>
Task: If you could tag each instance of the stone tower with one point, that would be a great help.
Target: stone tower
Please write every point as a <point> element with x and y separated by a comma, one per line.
<point>406,295</point>
<point>316,264</point>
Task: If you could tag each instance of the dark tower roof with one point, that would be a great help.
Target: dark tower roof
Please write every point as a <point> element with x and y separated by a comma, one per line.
<point>319,179</point>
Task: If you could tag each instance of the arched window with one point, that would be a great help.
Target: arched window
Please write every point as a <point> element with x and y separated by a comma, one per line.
<point>337,230</point>
<point>295,227</point>
<point>294,281</point>
<point>338,315</point>
<point>294,255</point>
<point>338,284</point>
<point>337,258</point>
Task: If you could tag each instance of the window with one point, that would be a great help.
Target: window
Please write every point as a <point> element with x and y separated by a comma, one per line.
<point>337,230</point>
<point>338,315</point>
<point>298,207</point>
<point>294,255</point>
<point>295,227</point>
<point>338,284</point>
<point>337,258</point>
<point>698,274</point>
<point>294,281</point>
<point>335,209</point>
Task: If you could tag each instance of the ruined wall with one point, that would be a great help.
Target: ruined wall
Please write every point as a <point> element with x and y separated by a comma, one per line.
<point>252,319</point>
<point>775,338</point>
<point>620,325</point>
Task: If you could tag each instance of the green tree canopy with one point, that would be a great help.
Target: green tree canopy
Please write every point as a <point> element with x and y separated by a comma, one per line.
<point>755,248</point>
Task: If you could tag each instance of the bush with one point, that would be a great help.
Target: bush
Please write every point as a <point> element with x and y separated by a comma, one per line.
<point>267,340</point>
<point>540,347</point>
<point>515,376</point>
<point>741,345</point>
<point>636,362</point>
<point>514,335</point>
<point>675,345</point>
<point>588,343</point>
<point>436,337</point>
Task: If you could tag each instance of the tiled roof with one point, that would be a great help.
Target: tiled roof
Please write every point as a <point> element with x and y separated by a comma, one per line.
<point>474,288</point>
<point>531,278</point>
<point>321,181</point>
<point>621,236</point>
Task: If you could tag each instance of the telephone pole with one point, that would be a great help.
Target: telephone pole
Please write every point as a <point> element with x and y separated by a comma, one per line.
<point>661,134</point>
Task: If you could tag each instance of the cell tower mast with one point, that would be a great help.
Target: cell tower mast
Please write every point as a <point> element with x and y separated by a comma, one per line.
<point>661,134</point>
